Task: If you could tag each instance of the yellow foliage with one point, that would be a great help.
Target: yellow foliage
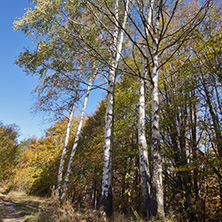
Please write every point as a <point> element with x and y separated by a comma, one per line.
<point>38,163</point>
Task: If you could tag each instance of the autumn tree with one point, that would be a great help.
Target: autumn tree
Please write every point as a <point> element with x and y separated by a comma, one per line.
<point>78,37</point>
<point>206,62</point>
<point>152,41</point>
<point>61,62</point>
<point>37,167</point>
<point>9,150</point>
<point>186,130</point>
<point>116,49</point>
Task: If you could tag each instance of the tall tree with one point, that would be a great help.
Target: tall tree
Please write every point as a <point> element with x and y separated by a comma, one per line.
<point>64,151</point>
<point>206,63</point>
<point>75,33</point>
<point>118,34</point>
<point>91,79</point>
<point>159,36</point>
<point>143,149</point>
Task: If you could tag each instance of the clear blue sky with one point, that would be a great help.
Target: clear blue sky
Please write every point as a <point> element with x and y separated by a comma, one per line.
<point>15,87</point>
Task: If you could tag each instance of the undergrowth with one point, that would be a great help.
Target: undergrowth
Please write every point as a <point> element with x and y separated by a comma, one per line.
<point>37,209</point>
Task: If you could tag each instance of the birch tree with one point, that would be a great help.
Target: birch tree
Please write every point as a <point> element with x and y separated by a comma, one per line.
<point>58,59</point>
<point>156,180</point>
<point>143,149</point>
<point>158,36</point>
<point>117,43</point>
<point>54,60</point>
<point>96,29</point>
<point>64,151</point>
<point>77,136</point>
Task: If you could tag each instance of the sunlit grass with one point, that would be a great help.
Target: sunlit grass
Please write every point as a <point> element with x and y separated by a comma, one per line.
<point>39,209</point>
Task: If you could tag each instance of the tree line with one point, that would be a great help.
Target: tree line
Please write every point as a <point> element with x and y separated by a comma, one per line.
<point>160,64</point>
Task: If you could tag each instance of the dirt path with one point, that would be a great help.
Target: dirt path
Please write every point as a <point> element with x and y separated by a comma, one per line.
<point>9,212</point>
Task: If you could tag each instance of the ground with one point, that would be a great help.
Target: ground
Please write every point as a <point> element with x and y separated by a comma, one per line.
<point>17,207</point>
<point>9,211</point>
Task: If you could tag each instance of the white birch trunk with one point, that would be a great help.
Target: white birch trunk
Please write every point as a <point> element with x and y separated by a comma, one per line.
<point>156,180</point>
<point>77,137</point>
<point>106,195</point>
<point>143,158</point>
<point>64,151</point>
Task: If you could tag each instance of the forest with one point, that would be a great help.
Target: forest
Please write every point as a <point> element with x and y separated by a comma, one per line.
<point>153,147</point>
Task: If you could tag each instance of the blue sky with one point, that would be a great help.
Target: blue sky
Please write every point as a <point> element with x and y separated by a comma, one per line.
<point>15,86</point>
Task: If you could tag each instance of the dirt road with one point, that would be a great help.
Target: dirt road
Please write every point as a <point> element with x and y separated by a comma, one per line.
<point>9,212</point>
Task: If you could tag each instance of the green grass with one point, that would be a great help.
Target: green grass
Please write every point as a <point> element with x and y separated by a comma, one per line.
<point>28,206</point>
<point>37,209</point>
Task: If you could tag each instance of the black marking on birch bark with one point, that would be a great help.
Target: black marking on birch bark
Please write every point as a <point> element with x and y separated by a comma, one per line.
<point>105,203</point>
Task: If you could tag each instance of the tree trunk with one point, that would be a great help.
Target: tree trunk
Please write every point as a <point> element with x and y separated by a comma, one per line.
<point>106,195</point>
<point>77,137</point>
<point>64,151</point>
<point>156,180</point>
<point>143,158</point>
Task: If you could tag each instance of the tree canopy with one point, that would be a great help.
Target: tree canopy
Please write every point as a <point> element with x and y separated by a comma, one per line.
<point>153,147</point>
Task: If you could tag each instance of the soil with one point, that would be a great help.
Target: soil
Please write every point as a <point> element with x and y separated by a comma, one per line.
<point>9,211</point>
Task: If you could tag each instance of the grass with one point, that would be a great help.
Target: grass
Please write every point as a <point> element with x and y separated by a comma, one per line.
<point>37,209</point>
<point>28,206</point>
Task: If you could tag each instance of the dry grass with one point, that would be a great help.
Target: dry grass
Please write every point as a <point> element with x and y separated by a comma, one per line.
<point>28,206</point>
<point>51,210</point>
<point>37,209</point>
